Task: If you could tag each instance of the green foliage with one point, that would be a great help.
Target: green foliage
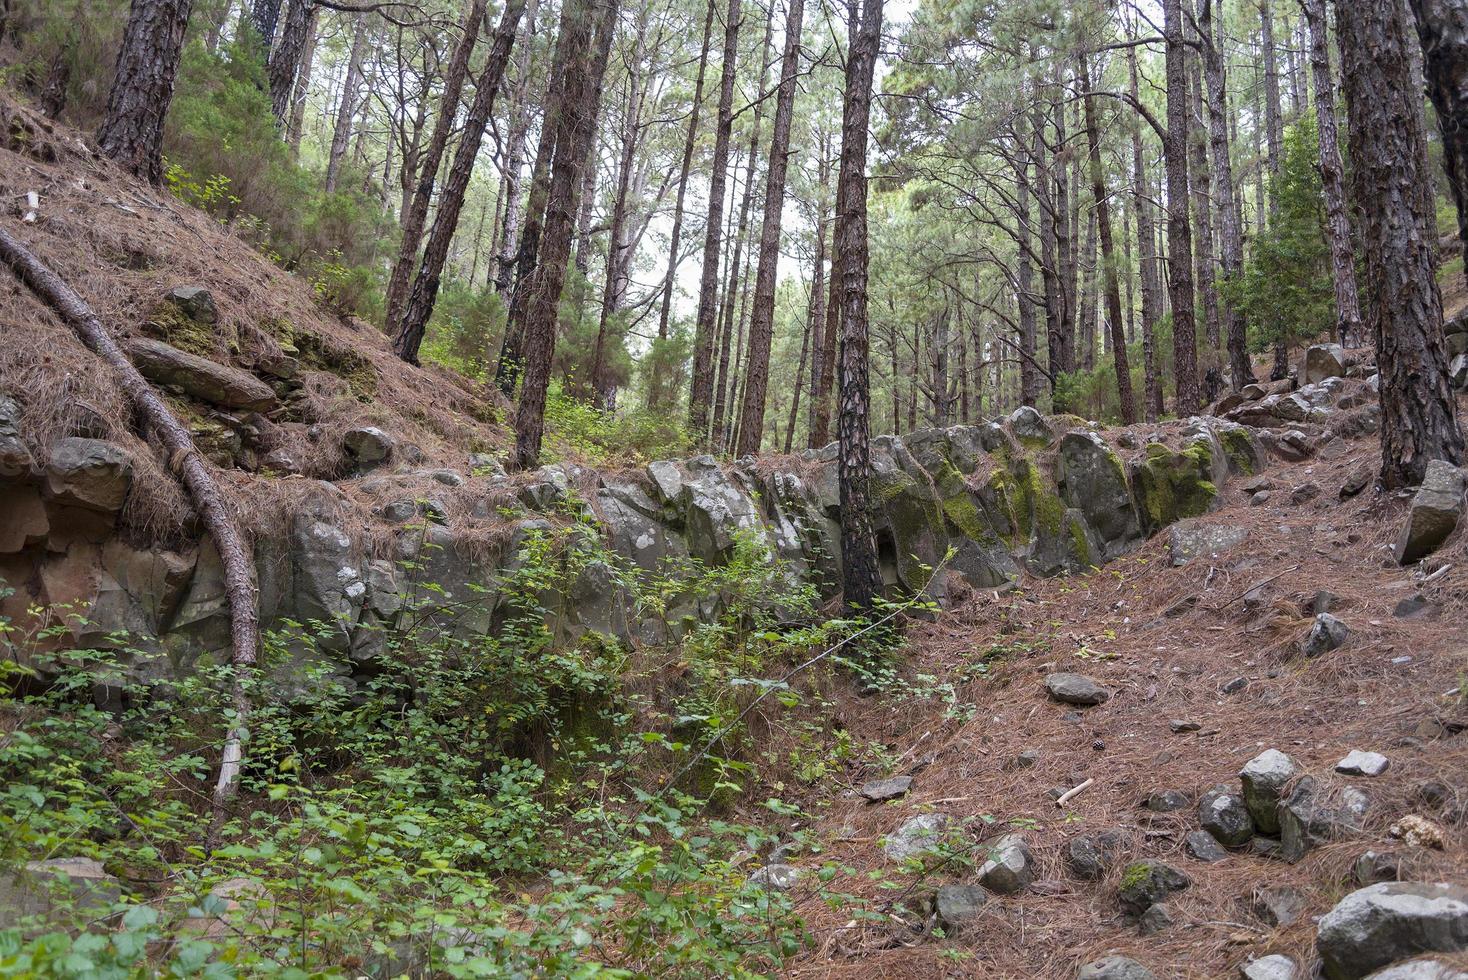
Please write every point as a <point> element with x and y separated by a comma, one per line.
<point>1286,287</point>
<point>466,329</point>
<point>632,435</point>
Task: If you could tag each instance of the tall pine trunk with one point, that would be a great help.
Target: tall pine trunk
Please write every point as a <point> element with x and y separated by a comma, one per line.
<point>451,202</point>
<point>1203,207</point>
<point>1442,26</point>
<point>1146,259</point>
<point>861,577</point>
<point>147,64</point>
<point>416,215</point>
<point>1179,230</point>
<point>284,64</point>
<point>586,28</point>
<point>762,321</point>
<point>701,387</point>
<point>1388,151</point>
<point>346,111</point>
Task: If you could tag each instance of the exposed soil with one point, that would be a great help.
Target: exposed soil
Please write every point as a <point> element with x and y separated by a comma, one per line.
<point>1382,691</point>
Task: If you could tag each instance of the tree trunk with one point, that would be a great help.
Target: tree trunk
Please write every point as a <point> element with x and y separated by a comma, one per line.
<point>416,215</point>
<point>264,15</point>
<point>1388,151</point>
<point>1230,236</point>
<point>1114,325</point>
<point>297,126</point>
<point>811,329</point>
<point>701,388</point>
<point>346,110</point>
<point>676,237</point>
<point>1202,185</point>
<point>862,579</point>
<point>1029,375</point>
<point>183,458</point>
<point>823,357</point>
<point>284,65</point>
<point>1049,259</point>
<point>586,28</point>
<point>1179,230</point>
<point>511,198</point>
<point>147,64</point>
<point>1442,27</point>
<point>1146,258</point>
<point>762,322</point>
<point>451,202</point>
<point>1274,136</point>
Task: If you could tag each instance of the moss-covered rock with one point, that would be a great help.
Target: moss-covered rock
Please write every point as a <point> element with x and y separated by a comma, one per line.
<point>1093,480</point>
<point>1169,485</point>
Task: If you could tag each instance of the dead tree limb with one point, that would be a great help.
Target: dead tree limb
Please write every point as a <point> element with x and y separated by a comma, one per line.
<point>188,465</point>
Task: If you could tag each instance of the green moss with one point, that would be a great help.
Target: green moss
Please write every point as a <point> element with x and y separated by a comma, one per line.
<point>1080,547</point>
<point>319,354</point>
<point>169,324</point>
<point>1240,451</point>
<point>1174,485</point>
<point>1135,875</point>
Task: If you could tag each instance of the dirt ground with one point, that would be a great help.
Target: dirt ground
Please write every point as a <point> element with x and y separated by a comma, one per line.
<point>1164,640</point>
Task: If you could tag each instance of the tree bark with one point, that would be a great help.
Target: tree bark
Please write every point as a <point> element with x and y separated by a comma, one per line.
<point>1442,27</point>
<point>284,65</point>
<point>184,459</point>
<point>451,202</point>
<point>1146,258</point>
<point>416,214</point>
<point>810,329</point>
<point>147,64</point>
<point>586,27</point>
<point>824,353</point>
<point>1114,325</point>
<point>1388,151</point>
<point>1274,137</point>
<point>264,15</point>
<point>861,577</point>
<point>762,321</point>
<point>346,110</point>
<point>297,128</point>
<point>701,388</point>
<point>512,200</point>
<point>1179,230</point>
<point>1202,186</point>
<point>1230,236</point>
<point>1029,375</point>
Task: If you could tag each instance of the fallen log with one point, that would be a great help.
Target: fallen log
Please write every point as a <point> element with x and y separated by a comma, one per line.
<point>184,460</point>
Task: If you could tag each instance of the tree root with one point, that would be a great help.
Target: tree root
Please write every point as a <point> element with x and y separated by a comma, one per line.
<point>183,458</point>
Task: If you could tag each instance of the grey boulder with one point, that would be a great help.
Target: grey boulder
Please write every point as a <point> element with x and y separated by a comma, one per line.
<point>1115,968</point>
<point>919,835</point>
<point>89,473</point>
<point>1325,635</point>
<point>1264,778</point>
<point>1076,689</point>
<point>1145,883</point>
<point>1226,816</point>
<point>1381,924</point>
<point>199,377</point>
<point>958,906</point>
<point>1010,867</point>
<point>1436,509</point>
<point>1273,967</point>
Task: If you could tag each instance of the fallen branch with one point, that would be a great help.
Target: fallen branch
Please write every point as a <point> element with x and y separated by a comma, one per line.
<point>1071,794</point>
<point>183,458</point>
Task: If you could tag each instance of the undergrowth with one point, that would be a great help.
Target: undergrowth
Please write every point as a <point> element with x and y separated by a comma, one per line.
<point>504,803</point>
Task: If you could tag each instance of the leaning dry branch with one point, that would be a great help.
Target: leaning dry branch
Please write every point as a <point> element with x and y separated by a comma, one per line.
<point>184,459</point>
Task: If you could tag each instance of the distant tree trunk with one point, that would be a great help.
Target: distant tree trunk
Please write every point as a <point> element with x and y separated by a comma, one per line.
<point>1202,185</point>
<point>147,64</point>
<point>1029,375</point>
<point>510,197</point>
<point>1274,135</point>
<point>701,389</point>
<point>1179,231</point>
<point>451,202</point>
<point>1442,26</point>
<point>265,14</point>
<point>1146,259</point>
<point>1115,327</point>
<point>676,236</point>
<point>1049,257</point>
<point>762,321</point>
<point>862,579</point>
<point>1230,236</point>
<point>1065,250</point>
<point>303,88</point>
<point>416,214</point>
<point>284,65</point>
<point>1388,150</point>
<point>1337,220</point>
<point>586,29</point>
<point>811,328</point>
<point>823,356</point>
<point>346,110</point>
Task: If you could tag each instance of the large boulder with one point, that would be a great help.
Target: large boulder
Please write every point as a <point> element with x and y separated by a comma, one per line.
<point>89,473</point>
<point>200,377</point>
<point>1381,924</point>
<point>1436,509</point>
<point>718,512</point>
<point>1030,427</point>
<point>15,458</point>
<point>1145,883</point>
<point>1312,815</point>
<point>1170,485</point>
<point>1324,361</point>
<point>56,884</point>
<point>919,835</point>
<point>1115,968</point>
<point>329,585</point>
<point>1195,539</point>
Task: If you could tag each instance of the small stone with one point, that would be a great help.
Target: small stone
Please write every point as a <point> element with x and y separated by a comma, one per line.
<point>1155,920</point>
<point>1273,967</point>
<point>1327,634</point>
<point>1304,493</point>
<point>1167,801</point>
<point>1415,830</point>
<point>780,877</point>
<point>1225,815</point>
<point>1090,856</point>
<point>1434,793</point>
<point>1115,968</point>
<point>1358,763</point>
<point>1202,846</point>
<point>1356,481</point>
<point>918,835</point>
<point>1377,866</point>
<point>1145,883</point>
<point>1381,924</point>
<point>1416,606</point>
<point>1307,819</point>
<point>1264,778</point>
<point>1029,426</point>
<point>878,790</point>
<point>958,906</point>
<point>1278,906</point>
<point>194,302</point>
<point>1024,760</point>
<point>1234,686</point>
<point>1076,689</point>
<point>1010,867</point>
<point>1261,498</point>
<point>367,445</point>
<point>1265,847</point>
<point>1179,726</point>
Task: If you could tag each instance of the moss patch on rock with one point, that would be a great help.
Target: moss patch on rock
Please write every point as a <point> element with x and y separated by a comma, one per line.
<point>1173,485</point>
<point>320,355</point>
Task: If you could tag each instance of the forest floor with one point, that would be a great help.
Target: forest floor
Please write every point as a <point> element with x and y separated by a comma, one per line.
<point>1165,640</point>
